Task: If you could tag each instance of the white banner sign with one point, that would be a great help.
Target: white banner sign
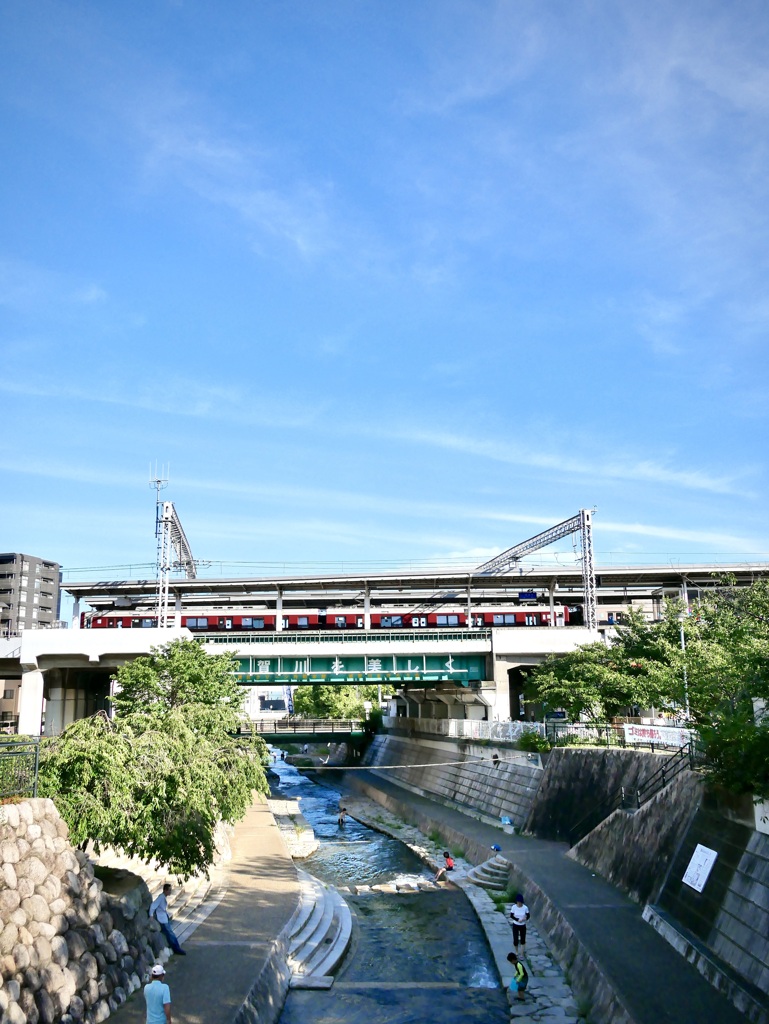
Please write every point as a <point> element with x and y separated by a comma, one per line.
<point>665,735</point>
<point>700,867</point>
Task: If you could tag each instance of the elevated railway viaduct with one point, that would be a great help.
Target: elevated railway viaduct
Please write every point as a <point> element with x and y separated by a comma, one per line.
<point>469,669</point>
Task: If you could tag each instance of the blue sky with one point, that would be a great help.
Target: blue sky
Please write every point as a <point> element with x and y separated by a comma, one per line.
<point>384,282</point>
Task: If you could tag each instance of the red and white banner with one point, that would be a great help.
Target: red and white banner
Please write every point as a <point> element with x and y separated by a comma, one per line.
<point>665,735</point>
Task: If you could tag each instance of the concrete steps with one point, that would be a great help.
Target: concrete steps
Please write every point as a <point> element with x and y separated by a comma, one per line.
<point>190,902</point>
<point>319,934</point>
<point>492,874</point>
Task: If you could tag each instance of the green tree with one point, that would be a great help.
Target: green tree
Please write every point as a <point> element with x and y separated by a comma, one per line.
<point>157,780</point>
<point>330,701</point>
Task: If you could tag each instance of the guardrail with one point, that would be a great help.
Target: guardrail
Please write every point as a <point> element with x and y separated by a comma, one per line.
<point>346,636</point>
<point>19,765</point>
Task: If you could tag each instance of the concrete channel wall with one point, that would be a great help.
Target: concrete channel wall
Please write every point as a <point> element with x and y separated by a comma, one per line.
<point>461,773</point>
<point>634,850</point>
<point>587,979</point>
<point>723,930</point>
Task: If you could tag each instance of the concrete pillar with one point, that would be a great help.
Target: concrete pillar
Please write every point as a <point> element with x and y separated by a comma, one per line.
<point>31,702</point>
<point>279,611</point>
<point>502,690</point>
<point>76,614</point>
<point>469,606</point>
<point>551,591</point>
<point>367,609</point>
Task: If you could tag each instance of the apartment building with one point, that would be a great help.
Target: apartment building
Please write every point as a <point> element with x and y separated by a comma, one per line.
<point>29,593</point>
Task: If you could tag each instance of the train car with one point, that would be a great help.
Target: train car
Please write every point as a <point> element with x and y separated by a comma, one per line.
<point>207,621</point>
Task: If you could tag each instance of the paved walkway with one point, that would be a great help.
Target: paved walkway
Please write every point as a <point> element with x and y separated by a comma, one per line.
<point>227,952</point>
<point>657,985</point>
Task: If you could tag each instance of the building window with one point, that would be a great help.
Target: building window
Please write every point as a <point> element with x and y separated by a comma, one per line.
<point>8,694</point>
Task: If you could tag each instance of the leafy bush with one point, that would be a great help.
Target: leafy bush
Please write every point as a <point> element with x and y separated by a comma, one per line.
<point>533,742</point>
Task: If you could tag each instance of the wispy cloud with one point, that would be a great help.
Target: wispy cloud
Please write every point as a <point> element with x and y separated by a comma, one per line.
<point>643,470</point>
<point>184,397</point>
<point>25,288</point>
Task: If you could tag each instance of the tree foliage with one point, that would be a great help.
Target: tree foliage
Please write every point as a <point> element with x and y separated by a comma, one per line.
<point>341,702</point>
<point>157,780</point>
<point>712,673</point>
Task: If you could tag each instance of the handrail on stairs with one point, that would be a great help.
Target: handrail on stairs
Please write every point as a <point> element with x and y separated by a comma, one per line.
<point>672,766</point>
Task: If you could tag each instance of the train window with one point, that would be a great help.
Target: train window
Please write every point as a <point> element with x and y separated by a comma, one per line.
<point>397,620</point>
<point>302,621</point>
<point>453,620</point>
<point>246,622</point>
<point>136,622</point>
<point>509,620</point>
<point>499,620</point>
<point>258,623</point>
<point>340,621</point>
<point>148,623</point>
<point>531,620</point>
<point>441,620</point>
<point>477,620</point>
<point>386,621</point>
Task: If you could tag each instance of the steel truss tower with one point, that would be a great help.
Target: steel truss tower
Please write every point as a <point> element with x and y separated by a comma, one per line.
<point>173,552</point>
<point>580,523</point>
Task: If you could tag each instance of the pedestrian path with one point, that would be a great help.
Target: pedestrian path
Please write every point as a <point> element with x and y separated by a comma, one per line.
<point>653,982</point>
<point>233,953</point>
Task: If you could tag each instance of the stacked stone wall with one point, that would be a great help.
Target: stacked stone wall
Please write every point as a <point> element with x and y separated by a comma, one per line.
<point>68,952</point>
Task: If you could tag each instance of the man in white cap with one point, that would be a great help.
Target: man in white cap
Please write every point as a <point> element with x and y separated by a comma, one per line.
<point>157,996</point>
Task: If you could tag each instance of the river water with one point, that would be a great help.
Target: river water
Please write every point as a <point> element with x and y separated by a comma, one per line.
<point>417,958</point>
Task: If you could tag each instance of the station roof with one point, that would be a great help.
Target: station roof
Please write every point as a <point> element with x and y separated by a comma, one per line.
<point>415,584</point>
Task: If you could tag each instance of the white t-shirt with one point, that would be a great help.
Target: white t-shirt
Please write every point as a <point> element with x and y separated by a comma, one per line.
<point>519,914</point>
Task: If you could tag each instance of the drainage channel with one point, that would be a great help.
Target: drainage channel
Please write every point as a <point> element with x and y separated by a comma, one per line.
<point>418,957</point>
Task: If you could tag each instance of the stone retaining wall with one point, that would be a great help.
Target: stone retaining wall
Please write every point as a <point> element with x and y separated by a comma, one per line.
<point>68,952</point>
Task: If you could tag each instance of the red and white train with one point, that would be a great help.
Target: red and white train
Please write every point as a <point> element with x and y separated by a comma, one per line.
<point>216,621</point>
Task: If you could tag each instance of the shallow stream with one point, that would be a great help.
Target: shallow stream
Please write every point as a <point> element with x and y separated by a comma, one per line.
<point>418,958</point>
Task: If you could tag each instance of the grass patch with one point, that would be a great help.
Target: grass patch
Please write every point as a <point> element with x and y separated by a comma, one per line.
<point>435,837</point>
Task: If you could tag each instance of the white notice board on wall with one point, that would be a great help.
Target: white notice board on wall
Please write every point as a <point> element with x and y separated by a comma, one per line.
<point>700,867</point>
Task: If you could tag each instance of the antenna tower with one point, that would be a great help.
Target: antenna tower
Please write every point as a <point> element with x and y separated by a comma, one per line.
<point>171,541</point>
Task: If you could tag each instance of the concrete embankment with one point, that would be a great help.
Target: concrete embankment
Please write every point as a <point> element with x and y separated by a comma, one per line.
<point>615,960</point>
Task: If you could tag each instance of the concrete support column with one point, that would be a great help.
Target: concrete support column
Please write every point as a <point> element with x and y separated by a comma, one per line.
<point>502,690</point>
<point>31,702</point>
<point>279,611</point>
<point>469,607</point>
<point>367,609</point>
<point>551,592</point>
<point>76,614</point>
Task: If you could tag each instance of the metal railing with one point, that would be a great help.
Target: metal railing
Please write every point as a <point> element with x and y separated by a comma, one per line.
<point>19,765</point>
<point>562,734</point>
<point>302,726</point>
<point>345,636</point>
<point>632,799</point>
<point>464,729</point>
